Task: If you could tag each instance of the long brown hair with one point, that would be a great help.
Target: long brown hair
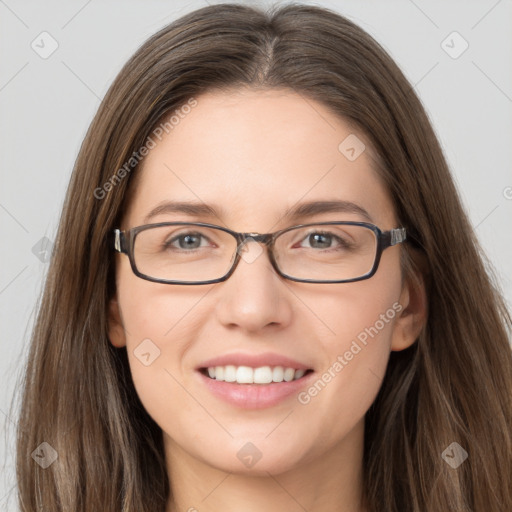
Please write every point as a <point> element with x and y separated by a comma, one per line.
<point>453,385</point>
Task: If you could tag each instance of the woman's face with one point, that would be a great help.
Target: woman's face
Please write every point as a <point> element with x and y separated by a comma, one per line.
<point>252,155</point>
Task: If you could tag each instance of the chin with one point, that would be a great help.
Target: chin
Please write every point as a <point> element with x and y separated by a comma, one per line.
<point>248,459</point>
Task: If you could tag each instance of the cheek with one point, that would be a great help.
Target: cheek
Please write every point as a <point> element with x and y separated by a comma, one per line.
<point>360,316</point>
<point>356,360</point>
<point>159,326</point>
<point>156,344</point>
<point>153,311</point>
<point>355,350</point>
<point>348,381</point>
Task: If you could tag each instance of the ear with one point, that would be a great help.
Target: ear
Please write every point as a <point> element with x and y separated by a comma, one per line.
<point>413,316</point>
<point>116,333</point>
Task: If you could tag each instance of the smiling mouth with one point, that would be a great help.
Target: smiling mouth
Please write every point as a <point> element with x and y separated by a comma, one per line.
<point>247,375</point>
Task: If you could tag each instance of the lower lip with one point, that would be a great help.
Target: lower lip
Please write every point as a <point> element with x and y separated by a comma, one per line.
<point>255,396</point>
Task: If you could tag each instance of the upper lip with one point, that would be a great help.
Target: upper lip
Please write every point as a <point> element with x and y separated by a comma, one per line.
<point>254,361</point>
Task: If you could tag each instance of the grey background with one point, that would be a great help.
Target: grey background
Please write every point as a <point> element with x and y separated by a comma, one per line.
<point>47,104</point>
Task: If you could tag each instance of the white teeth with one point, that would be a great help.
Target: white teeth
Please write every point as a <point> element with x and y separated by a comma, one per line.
<point>244,375</point>
<point>260,375</point>
<point>219,372</point>
<point>299,374</point>
<point>278,374</point>
<point>229,373</point>
<point>288,374</point>
<point>263,375</point>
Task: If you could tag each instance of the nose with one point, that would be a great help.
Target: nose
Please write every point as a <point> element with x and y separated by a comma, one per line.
<point>254,296</point>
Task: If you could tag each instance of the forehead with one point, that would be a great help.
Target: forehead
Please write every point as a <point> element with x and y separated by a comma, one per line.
<point>258,153</point>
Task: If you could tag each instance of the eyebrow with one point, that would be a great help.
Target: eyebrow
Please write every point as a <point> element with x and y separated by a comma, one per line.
<point>297,212</point>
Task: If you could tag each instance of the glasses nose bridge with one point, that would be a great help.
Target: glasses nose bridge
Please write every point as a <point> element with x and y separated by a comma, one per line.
<point>265,238</point>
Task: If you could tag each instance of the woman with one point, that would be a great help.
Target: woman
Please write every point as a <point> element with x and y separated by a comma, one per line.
<point>356,358</point>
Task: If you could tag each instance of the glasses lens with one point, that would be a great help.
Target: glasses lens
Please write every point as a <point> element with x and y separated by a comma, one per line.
<point>320,252</point>
<point>184,252</point>
<point>324,252</point>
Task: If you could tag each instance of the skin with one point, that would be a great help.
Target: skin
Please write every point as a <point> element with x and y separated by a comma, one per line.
<point>257,153</point>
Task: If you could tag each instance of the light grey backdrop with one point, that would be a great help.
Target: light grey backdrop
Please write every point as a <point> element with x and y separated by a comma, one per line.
<point>57,60</point>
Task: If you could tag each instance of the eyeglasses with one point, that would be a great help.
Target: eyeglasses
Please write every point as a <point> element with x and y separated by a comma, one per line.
<point>201,253</point>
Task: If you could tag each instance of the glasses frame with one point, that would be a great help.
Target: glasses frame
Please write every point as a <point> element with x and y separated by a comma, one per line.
<point>124,241</point>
